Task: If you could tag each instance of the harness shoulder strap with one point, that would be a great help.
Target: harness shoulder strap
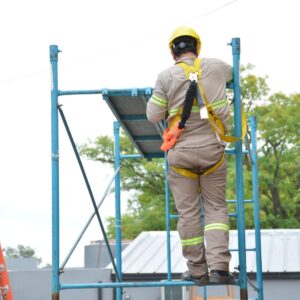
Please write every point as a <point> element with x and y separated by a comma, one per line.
<point>214,120</point>
<point>194,69</point>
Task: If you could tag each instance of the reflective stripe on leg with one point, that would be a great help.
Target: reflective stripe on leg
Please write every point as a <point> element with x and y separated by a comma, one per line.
<point>216,226</point>
<point>192,242</point>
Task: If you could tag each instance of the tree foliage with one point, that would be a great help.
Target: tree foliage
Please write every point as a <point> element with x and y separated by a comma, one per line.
<point>20,251</point>
<point>279,166</point>
<point>279,160</point>
<point>145,180</point>
<point>254,89</point>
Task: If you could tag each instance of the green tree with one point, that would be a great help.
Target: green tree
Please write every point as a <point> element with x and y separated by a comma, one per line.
<point>254,92</point>
<point>279,160</point>
<point>278,166</point>
<point>144,180</point>
<point>20,251</point>
<point>254,89</point>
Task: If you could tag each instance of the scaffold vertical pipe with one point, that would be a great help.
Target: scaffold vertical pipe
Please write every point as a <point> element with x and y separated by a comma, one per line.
<point>235,43</point>
<point>55,172</point>
<point>254,161</point>
<point>202,228</point>
<point>168,227</point>
<point>118,206</point>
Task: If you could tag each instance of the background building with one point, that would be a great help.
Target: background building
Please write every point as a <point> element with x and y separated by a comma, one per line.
<point>144,259</point>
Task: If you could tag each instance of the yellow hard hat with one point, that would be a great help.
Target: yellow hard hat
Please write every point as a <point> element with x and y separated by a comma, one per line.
<point>185,31</point>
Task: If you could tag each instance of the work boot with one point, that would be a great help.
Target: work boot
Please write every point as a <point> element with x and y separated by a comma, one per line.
<point>220,277</point>
<point>199,280</point>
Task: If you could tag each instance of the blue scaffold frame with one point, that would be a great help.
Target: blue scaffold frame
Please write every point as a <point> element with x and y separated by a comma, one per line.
<point>238,151</point>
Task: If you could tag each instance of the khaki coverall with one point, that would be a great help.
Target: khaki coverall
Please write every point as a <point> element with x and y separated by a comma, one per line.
<point>197,149</point>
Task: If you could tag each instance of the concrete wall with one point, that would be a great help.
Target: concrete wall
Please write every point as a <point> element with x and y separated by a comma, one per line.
<point>30,283</point>
<point>36,284</point>
<point>279,289</point>
<point>96,254</point>
<point>21,263</point>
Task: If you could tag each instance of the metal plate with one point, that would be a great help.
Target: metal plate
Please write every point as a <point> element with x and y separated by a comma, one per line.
<point>129,108</point>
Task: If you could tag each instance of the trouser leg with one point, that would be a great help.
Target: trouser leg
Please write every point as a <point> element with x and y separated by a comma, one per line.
<point>216,229</point>
<point>187,200</point>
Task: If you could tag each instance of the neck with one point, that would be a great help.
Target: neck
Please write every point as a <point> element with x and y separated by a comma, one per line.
<point>187,54</point>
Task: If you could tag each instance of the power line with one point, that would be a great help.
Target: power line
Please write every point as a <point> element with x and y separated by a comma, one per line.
<point>196,18</point>
<point>23,76</point>
<point>213,10</point>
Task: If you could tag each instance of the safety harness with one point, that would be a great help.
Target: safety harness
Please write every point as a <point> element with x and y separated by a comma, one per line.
<point>173,132</point>
<point>206,109</point>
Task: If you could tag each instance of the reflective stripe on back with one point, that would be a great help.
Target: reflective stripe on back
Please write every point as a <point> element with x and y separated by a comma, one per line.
<point>218,104</point>
<point>196,109</point>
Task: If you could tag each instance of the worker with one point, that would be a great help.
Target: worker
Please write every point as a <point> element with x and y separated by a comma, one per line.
<point>196,153</point>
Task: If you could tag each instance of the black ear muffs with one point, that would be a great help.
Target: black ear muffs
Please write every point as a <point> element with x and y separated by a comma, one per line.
<point>184,45</point>
<point>180,45</point>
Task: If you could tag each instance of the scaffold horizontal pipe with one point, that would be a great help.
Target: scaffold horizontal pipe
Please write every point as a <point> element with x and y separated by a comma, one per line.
<point>112,92</point>
<point>131,156</point>
<point>248,249</point>
<point>245,201</point>
<point>132,92</point>
<point>174,216</point>
<point>69,286</point>
<point>232,151</point>
<point>78,92</point>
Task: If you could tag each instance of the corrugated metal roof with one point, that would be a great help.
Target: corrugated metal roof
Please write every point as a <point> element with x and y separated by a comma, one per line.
<point>147,253</point>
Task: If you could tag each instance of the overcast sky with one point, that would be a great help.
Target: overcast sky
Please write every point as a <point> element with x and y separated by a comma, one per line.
<point>106,44</point>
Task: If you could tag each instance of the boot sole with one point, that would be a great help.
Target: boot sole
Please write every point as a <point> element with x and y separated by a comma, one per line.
<point>221,280</point>
<point>201,282</point>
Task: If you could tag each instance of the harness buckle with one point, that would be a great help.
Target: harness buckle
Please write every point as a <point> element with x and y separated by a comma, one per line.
<point>203,113</point>
<point>194,77</point>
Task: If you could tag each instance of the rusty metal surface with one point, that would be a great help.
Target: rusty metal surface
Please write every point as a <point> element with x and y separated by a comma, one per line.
<point>55,296</point>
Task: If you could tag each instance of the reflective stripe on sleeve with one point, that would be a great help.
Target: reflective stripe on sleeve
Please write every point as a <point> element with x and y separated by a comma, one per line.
<point>159,101</point>
<point>215,105</point>
<point>218,104</point>
<point>216,226</point>
<point>174,111</point>
<point>192,242</point>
